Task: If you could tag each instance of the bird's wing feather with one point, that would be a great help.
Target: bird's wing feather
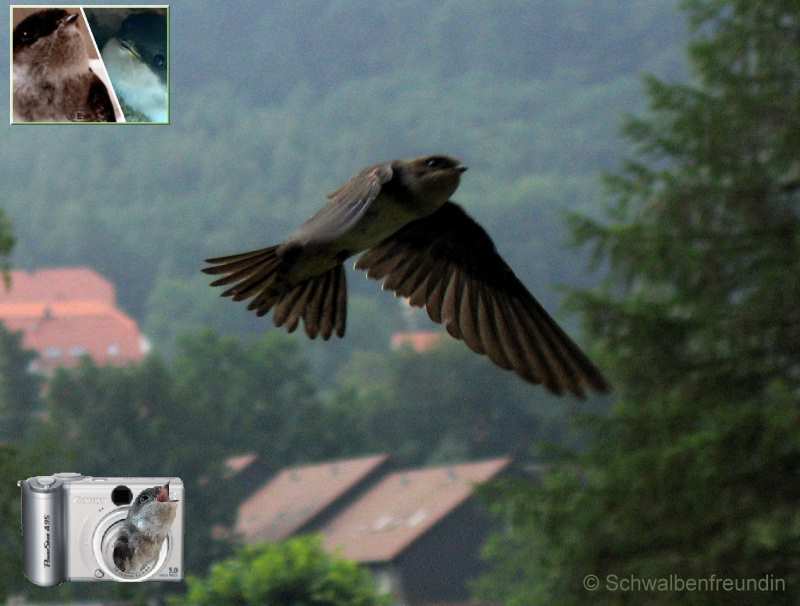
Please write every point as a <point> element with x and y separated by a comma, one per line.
<point>447,263</point>
<point>347,204</point>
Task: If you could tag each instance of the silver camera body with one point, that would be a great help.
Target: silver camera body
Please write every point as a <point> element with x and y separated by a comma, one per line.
<point>70,524</point>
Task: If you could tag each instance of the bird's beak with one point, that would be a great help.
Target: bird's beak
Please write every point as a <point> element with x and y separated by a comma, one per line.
<point>162,494</point>
<point>461,168</point>
<point>165,491</point>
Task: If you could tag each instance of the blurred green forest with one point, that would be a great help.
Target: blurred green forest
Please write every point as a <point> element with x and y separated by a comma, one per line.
<point>275,104</point>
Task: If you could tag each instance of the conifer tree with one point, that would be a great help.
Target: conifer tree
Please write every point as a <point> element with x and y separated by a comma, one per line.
<point>695,472</point>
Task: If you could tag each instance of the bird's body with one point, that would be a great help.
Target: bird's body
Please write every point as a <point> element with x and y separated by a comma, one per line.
<point>137,64</point>
<point>52,78</point>
<point>146,527</point>
<point>342,229</point>
<point>428,250</point>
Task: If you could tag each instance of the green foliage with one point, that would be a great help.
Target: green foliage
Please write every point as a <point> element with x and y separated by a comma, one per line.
<point>10,546</point>
<point>294,573</point>
<point>18,400</point>
<point>446,404</point>
<point>694,473</point>
<point>17,392</point>
<point>110,415</point>
<point>249,395</point>
<point>19,389</point>
<point>7,242</point>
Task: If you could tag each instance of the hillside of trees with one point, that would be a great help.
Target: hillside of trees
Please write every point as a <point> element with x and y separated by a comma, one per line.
<point>273,105</point>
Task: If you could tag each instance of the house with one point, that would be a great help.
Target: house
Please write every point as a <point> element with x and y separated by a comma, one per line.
<point>420,531</point>
<point>298,497</point>
<point>65,313</point>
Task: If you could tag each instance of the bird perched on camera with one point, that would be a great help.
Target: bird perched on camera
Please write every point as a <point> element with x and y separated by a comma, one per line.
<point>136,60</point>
<point>425,248</point>
<point>52,78</point>
<point>147,525</point>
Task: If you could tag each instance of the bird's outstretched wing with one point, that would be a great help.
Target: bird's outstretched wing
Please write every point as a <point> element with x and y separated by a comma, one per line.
<point>347,204</point>
<point>448,264</point>
<point>320,301</point>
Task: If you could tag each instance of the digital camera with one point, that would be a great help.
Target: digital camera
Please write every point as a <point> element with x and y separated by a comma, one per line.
<point>83,528</point>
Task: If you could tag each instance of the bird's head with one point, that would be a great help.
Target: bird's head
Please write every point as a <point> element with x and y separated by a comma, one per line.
<point>434,178</point>
<point>144,36</point>
<point>50,40</point>
<point>153,511</point>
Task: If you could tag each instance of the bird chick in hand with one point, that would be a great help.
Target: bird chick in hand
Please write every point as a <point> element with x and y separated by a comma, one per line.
<point>147,525</point>
<point>425,248</point>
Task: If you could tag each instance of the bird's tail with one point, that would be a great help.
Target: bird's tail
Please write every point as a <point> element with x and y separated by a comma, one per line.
<point>321,301</point>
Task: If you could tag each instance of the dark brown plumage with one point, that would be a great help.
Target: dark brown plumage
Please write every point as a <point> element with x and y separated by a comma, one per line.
<point>448,264</point>
<point>321,302</point>
<point>424,248</point>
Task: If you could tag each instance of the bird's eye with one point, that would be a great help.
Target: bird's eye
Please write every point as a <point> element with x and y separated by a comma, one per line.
<point>159,61</point>
<point>144,498</point>
<point>434,163</point>
<point>26,36</point>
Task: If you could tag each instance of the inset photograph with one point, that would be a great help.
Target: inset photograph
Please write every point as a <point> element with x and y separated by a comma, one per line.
<point>134,46</point>
<point>57,74</point>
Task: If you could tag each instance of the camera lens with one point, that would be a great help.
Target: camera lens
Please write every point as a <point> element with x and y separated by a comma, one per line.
<point>113,537</point>
<point>121,495</point>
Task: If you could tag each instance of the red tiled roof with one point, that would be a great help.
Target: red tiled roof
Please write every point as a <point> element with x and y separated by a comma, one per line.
<point>234,465</point>
<point>402,507</point>
<point>62,332</point>
<point>297,494</point>
<point>68,312</point>
<point>419,340</point>
<point>58,284</point>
